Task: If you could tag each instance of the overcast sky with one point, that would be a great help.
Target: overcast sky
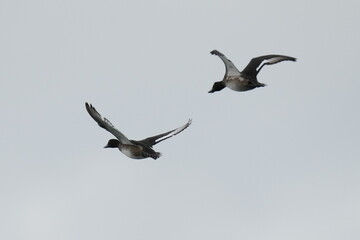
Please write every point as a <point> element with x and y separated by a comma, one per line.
<point>277,163</point>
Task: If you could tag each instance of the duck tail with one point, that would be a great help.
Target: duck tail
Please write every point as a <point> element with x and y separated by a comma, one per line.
<point>156,155</point>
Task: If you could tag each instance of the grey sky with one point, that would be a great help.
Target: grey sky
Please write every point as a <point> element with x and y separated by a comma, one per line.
<point>274,163</point>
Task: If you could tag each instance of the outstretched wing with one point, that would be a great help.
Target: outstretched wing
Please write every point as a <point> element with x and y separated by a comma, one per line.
<point>256,64</point>
<point>151,141</point>
<point>231,70</point>
<point>106,124</point>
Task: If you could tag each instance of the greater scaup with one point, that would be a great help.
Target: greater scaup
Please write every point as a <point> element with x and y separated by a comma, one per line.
<point>133,149</point>
<point>245,80</point>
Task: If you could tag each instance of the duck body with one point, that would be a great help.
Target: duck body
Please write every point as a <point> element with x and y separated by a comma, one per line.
<point>241,83</point>
<point>137,151</point>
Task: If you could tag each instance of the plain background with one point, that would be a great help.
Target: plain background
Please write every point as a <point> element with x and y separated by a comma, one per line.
<point>276,163</point>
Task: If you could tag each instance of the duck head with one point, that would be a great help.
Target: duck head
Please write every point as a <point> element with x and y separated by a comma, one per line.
<point>112,143</point>
<point>217,86</point>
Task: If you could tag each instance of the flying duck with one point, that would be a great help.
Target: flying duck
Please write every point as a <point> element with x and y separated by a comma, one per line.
<point>245,80</point>
<point>132,148</point>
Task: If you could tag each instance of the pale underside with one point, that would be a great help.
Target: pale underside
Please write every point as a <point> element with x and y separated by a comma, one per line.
<point>238,83</point>
<point>132,151</point>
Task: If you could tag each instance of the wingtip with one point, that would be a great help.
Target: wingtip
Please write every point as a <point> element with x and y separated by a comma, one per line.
<point>87,106</point>
<point>215,52</point>
<point>292,59</point>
